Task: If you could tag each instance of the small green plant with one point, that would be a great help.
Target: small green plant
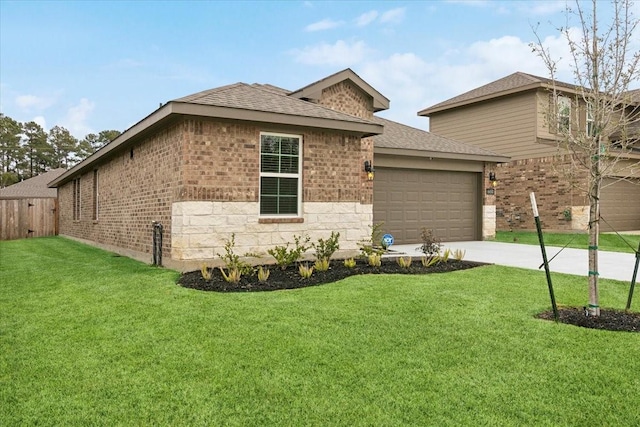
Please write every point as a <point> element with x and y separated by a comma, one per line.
<point>206,272</point>
<point>404,262</point>
<point>285,256</point>
<point>428,261</point>
<point>263,274</point>
<point>567,214</point>
<point>350,263</point>
<point>375,260</point>
<point>445,255</point>
<point>430,243</point>
<point>459,254</point>
<point>232,260</point>
<point>321,264</point>
<point>305,271</point>
<point>369,245</point>
<point>233,275</point>
<point>326,248</point>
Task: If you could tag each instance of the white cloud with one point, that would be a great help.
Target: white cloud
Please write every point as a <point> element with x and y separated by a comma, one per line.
<point>339,54</point>
<point>393,16</point>
<point>33,102</point>
<point>76,118</point>
<point>325,24</point>
<point>366,18</point>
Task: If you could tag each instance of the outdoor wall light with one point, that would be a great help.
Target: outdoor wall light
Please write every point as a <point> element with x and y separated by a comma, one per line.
<point>492,178</point>
<point>368,168</point>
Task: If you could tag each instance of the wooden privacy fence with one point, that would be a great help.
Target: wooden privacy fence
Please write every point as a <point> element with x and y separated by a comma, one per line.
<point>22,218</point>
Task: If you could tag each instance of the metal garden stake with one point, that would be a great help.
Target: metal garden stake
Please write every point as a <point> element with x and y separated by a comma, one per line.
<point>534,207</point>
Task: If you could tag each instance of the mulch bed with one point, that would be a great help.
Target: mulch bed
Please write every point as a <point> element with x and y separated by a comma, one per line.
<point>291,279</point>
<point>609,319</point>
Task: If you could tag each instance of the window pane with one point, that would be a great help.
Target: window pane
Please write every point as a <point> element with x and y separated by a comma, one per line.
<point>269,144</point>
<point>269,163</point>
<point>288,164</point>
<point>288,186</point>
<point>288,205</point>
<point>268,205</point>
<point>289,146</point>
<point>269,186</point>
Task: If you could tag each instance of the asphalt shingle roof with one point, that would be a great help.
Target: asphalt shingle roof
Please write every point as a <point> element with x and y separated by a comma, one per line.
<point>36,187</point>
<point>397,135</point>
<point>509,83</point>
<point>269,99</point>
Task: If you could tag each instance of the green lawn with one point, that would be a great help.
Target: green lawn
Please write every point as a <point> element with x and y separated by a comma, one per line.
<point>89,338</point>
<point>608,242</point>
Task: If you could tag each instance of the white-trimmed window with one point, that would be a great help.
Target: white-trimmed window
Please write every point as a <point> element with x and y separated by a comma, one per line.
<point>280,174</point>
<point>76,199</point>
<point>564,114</point>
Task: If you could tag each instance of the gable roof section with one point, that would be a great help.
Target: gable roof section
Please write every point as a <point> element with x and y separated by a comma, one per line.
<point>513,83</point>
<point>314,90</point>
<point>36,187</point>
<point>239,101</point>
<point>268,99</point>
<point>398,138</point>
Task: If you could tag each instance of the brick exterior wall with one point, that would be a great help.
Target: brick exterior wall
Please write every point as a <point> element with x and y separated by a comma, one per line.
<point>348,98</point>
<point>135,187</point>
<point>197,159</point>
<point>560,202</point>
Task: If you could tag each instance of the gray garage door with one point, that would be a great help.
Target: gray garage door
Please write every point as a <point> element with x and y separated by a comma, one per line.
<point>620,205</point>
<point>406,200</point>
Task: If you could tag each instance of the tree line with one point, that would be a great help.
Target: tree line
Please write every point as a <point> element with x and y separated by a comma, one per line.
<point>27,150</point>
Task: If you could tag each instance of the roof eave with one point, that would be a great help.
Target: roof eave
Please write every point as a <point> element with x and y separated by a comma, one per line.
<point>441,155</point>
<point>189,109</point>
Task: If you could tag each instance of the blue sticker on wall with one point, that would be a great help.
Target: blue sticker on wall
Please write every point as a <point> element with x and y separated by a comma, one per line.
<point>387,240</point>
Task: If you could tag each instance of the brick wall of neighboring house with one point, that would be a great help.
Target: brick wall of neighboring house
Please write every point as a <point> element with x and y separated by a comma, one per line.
<point>135,187</point>
<point>348,98</point>
<point>561,204</point>
<point>488,203</point>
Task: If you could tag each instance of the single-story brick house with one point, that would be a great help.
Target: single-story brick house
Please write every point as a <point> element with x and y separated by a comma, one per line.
<point>250,159</point>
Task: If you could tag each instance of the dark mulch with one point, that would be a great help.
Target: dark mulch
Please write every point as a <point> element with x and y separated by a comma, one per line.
<point>609,319</point>
<point>291,279</point>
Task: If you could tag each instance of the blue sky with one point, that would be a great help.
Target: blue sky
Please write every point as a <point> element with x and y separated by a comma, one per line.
<point>96,65</point>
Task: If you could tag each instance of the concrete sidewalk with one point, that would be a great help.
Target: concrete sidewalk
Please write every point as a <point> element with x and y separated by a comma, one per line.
<point>611,265</point>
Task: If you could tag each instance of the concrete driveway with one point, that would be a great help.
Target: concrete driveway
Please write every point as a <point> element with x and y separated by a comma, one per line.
<point>612,265</point>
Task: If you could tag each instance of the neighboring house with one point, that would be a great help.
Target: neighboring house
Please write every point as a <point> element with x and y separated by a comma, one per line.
<point>29,208</point>
<point>255,160</point>
<point>516,117</point>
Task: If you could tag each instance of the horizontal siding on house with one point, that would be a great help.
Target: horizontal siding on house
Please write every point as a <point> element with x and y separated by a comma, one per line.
<point>505,126</point>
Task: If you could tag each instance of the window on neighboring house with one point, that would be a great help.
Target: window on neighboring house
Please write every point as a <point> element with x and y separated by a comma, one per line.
<point>591,131</point>
<point>280,174</point>
<point>76,199</point>
<point>95,195</point>
<point>564,114</point>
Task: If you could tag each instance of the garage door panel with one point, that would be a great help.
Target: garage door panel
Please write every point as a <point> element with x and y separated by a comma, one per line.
<point>620,205</point>
<point>407,200</point>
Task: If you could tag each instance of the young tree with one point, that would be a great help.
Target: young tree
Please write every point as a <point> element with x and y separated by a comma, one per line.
<point>604,65</point>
